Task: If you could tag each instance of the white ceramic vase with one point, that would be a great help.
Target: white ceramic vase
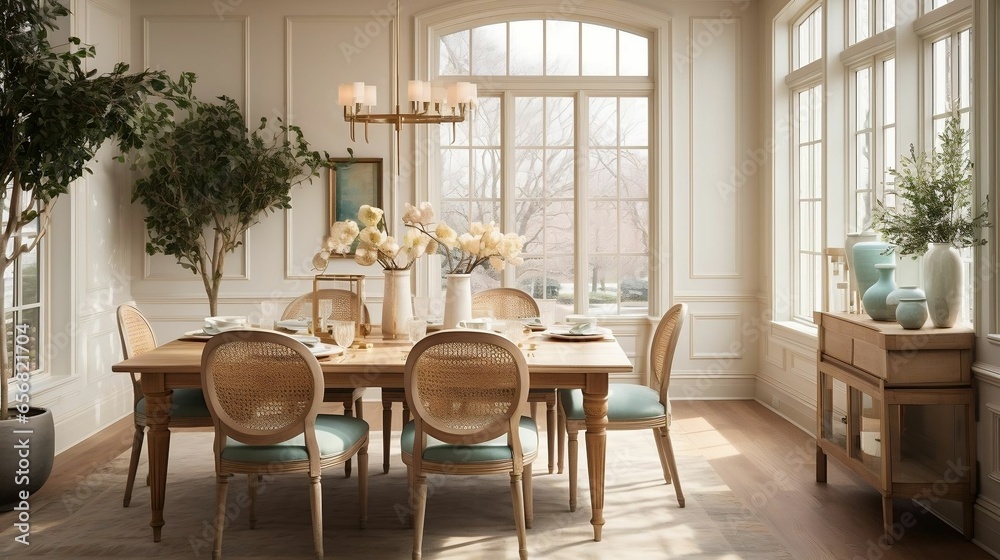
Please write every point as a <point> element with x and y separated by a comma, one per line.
<point>943,283</point>
<point>397,304</point>
<point>457,299</point>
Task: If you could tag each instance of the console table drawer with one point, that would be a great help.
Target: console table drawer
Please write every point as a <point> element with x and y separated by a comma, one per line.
<point>924,357</point>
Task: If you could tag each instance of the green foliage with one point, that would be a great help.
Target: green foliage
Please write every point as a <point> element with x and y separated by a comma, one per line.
<point>54,115</point>
<point>937,198</point>
<point>208,180</point>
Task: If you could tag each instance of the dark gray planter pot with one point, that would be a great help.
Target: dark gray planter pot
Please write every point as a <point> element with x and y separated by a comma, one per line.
<point>26,458</point>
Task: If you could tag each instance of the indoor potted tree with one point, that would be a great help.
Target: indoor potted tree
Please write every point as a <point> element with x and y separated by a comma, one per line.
<point>207,180</point>
<point>54,115</point>
<point>937,217</point>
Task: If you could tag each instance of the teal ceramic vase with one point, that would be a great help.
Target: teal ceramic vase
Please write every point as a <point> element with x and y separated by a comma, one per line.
<point>875,297</point>
<point>911,313</point>
<point>866,255</point>
<point>892,300</point>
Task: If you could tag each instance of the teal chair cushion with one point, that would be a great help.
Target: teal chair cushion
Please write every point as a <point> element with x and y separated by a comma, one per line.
<point>185,403</point>
<point>335,434</point>
<point>625,402</point>
<point>493,450</point>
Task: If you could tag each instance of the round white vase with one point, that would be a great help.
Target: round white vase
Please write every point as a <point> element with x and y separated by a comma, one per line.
<point>397,304</point>
<point>943,283</point>
<point>457,300</point>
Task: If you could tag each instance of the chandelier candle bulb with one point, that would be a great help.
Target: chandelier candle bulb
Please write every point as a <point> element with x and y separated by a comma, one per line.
<point>346,95</point>
<point>414,88</point>
<point>358,92</point>
<point>371,96</point>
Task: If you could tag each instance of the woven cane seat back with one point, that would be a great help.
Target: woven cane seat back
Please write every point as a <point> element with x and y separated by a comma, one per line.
<point>260,386</point>
<point>465,386</point>
<point>505,303</point>
<point>136,333</point>
<point>661,354</point>
<point>345,306</point>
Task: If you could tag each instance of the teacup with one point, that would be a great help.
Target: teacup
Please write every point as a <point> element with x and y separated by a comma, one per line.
<point>481,323</point>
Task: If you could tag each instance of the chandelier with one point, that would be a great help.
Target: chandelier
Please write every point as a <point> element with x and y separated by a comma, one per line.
<point>428,103</point>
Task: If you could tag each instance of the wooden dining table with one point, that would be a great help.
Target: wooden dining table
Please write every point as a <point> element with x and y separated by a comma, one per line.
<point>551,364</point>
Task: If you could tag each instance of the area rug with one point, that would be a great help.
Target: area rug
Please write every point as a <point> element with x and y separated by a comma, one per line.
<point>467,517</point>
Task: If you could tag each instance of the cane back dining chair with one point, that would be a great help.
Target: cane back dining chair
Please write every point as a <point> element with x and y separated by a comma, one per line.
<point>465,390</point>
<point>631,406</point>
<point>264,391</point>
<point>187,409</point>
<point>505,304</point>
<point>345,308</point>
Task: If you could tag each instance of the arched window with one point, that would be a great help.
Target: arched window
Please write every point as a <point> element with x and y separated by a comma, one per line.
<point>558,150</point>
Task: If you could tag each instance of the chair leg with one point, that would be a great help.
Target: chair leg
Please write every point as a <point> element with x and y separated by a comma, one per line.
<point>516,494</point>
<point>221,488</point>
<point>534,411</point>
<point>550,424</point>
<point>252,480</point>
<point>573,448</point>
<point>658,438</point>
<point>419,508</point>
<point>133,463</point>
<point>561,432</point>
<point>668,451</point>
<point>386,433</point>
<point>529,502</point>
<point>316,505</point>
<point>363,484</point>
<point>348,411</point>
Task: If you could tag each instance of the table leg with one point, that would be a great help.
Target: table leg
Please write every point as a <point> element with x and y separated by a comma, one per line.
<point>158,420</point>
<point>595,406</point>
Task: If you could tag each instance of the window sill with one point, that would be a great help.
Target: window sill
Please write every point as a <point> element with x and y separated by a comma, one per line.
<point>796,333</point>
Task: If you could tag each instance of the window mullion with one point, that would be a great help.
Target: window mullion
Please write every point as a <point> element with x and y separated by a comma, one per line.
<point>507,175</point>
<point>582,159</point>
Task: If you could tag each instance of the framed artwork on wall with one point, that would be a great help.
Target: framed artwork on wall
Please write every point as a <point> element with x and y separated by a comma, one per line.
<point>354,182</point>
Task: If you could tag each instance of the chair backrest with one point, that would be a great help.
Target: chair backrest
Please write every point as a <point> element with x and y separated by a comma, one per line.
<point>137,338</point>
<point>262,388</point>
<point>466,387</point>
<point>661,353</point>
<point>345,306</point>
<point>506,303</point>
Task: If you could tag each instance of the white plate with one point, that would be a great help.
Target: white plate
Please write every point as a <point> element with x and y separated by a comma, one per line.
<point>308,340</point>
<point>293,324</point>
<point>323,350</point>
<point>197,335</point>
<point>563,333</point>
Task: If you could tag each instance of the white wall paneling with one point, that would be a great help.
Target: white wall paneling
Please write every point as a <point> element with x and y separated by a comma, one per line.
<point>715,229</point>
<point>322,52</point>
<point>217,50</point>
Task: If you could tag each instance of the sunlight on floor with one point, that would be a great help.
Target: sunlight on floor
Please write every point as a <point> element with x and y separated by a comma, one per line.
<point>704,438</point>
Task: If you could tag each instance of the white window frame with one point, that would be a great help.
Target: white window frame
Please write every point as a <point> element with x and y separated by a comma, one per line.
<point>431,25</point>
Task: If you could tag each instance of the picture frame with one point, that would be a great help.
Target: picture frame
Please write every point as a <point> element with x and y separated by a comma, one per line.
<point>354,182</point>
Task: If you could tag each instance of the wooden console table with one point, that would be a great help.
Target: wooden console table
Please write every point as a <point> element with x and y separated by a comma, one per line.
<point>897,407</point>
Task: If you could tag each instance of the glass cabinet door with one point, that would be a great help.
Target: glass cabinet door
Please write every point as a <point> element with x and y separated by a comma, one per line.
<point>834,410</point>
<point>865,425</point>
<point>932,443</point>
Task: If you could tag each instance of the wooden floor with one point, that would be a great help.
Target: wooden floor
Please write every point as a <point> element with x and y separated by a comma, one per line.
<point>766,461</point>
